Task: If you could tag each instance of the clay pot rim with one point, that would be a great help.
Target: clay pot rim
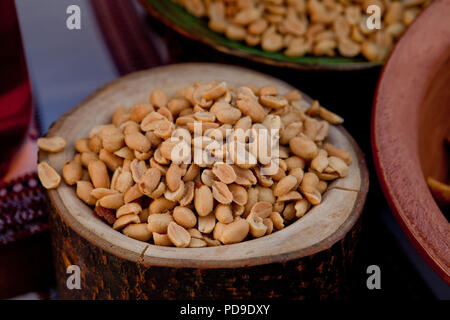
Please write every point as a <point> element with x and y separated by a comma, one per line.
<point>145,256</point>
<point>408,213</point>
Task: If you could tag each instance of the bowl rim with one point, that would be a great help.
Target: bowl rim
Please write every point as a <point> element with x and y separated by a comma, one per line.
<point>147,259</point>
<point>409,216</point>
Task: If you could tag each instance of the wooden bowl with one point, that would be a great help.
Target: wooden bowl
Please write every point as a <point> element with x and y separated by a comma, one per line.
<point>311,257</point>
<point>177,18</point>
<point>411,118</point>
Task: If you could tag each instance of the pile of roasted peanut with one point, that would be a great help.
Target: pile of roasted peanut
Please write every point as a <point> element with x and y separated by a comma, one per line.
<point>195,171</point>
<point>316,27</point>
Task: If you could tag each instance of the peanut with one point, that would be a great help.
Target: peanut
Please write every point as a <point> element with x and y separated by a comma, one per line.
<point>51,144</point>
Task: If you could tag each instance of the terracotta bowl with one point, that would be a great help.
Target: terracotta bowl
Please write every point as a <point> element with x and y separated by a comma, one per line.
<point>411,118</point>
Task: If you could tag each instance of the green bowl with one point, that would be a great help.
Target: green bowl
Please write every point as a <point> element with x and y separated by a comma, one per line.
<point>176,17</point>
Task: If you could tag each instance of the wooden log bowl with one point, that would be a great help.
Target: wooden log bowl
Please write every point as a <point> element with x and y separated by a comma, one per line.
<point>310,258</point>
<point>411,119</point>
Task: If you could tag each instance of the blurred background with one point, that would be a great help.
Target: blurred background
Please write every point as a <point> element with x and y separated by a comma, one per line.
<point>118,37</point>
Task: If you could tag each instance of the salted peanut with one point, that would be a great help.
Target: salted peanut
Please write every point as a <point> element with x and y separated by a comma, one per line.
<point>284,185</point>
<point>235,32</point>
<point>161,205</point>
<point>293,96</point>
<point>273,102</point>
<point>99,193</point>
<point>188,195</point>
<point>295,162</point>
<point>51,144</point>
<point>159,222</point>
<point>112,139</point>
<point>322,186</point>
<point>176,105</point>
<point>221,192</point>
<point>184,217</point>
<point>111,160</point>
<point>218,230</point>
<point>239,193</point>
<point>152,121</point>
<point>291,131</point>
<point>82,145</point>
<point>235,232</point>
<point>156,165</point>
<point>310,128</point>
<point>161,239</point>
<point>268,90</point>
<point>330,116</point>
<point>137,141</point>
<point>132,194</point>
<point>166,113</point>
<point>87,157</point>
<point>248,103</point>
<point>72,172</point>
<point>409,15</point>
<point>217,25</point>
<point>338,165</point>
<point>297,47</point>
<point>178,235</point>
<point>124,221</point>
<point>195,233</point>
<point>336,152</point>
<point>269,225</point>
<point>158,192</point>
<point>84,189</point>
<point>120,116</point>
<point>298,173</point>
<point>95,144</point>
<point>228,115</point>
<point>215,92</point>
<point>256,224</point>
<point>328,174</point>
<point>252,40</point>
<point>192,172</point>
<point>309,182</point>
<point>272,42</point>
<point>137,231</point>
<point>224,213</point>
<point>290,196</point>
<point>176,195</point>
<point>261,209</point>
<point>158,98</point>
<point>224,172</point>
<point>205,116</point>
<point>277,220</point>
<point>206,223</point>
<point>197,243</point>
<point>440,190</point>
<point>257,27</point>
<point>244,177</point>
<point>124,182</point>
<point>129,208</point>
<point>348,47</point>
<point>308,188</point>
<point>173,177</point>
<point>143,215</point>
<point>125,153</point>
<point>251,200</point>
<point>320,162</point>
<point>137,168</point>
<point>160,158</point>
<point>263,180</point>
<point>289,211</point>
<point>203,200</point>
<point>149,180</point>
<point>313,110</point>
<point>112,201</point>
<point>301,207</point>
<point>99,174</point>
<point>140,111</point>
<point>371,51</point>
<point>303,147</point>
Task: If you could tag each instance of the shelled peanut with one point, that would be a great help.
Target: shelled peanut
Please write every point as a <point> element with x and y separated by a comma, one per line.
<point>211,165</point>
<point>315,27</point>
